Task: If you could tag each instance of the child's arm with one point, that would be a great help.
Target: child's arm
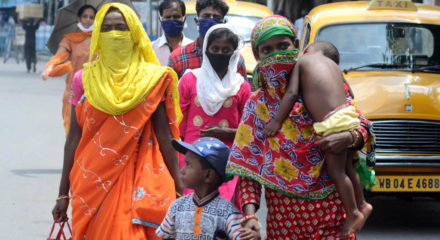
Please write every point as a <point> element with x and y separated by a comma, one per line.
<point>286,104</point>
<point>233,229</point>
<point>167,229</point>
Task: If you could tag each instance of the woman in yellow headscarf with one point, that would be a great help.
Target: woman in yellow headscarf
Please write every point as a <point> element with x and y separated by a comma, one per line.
<point>123,170</point>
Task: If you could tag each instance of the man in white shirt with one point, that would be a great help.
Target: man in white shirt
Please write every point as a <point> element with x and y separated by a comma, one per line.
<point>172,18</point>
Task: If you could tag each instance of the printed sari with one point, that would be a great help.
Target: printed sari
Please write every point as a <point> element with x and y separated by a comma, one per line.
<point>301,199</point>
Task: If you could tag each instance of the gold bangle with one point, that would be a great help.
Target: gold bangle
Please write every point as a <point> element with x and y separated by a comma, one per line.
<point>355,135</point>
<point>62,197</point>
<point>178,194</point>
<point>352,138</point>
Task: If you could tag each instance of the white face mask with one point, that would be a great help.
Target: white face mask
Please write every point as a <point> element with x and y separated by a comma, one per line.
<point>82,28</point>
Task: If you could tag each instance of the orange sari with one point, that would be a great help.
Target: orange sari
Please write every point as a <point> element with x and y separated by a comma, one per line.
<point>77,45</point>
<point>119,183</point>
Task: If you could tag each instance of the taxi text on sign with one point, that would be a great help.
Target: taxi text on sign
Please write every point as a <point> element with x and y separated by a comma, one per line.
<point>407,5</point>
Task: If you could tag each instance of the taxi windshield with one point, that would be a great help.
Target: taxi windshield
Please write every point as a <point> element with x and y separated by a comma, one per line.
<point>242,25</point>
<point>391,46</point>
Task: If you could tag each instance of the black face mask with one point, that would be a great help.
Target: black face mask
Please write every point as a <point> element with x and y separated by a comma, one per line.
<point>219,62</point>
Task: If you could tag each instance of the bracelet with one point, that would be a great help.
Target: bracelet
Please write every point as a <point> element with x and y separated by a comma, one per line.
<point>355,136</point>
<point>62,197</point>
<point>246,218</point>
<point>178,194</point>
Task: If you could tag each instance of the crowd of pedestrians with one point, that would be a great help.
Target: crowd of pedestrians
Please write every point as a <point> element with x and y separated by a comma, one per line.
<point>166,141</point>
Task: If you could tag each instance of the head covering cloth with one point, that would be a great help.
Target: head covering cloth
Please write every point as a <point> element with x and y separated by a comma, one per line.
<point>211,90</point>
<point>281,62</point>
<point>269,27</point>
<point>118,91</point>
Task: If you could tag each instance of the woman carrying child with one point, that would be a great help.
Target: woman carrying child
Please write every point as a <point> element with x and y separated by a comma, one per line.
<point>301,199</point>
<point>212,97</point>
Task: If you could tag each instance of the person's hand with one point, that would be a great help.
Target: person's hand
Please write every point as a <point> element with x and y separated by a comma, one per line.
<point>250,230</point>
<point>272,128</point>
<point>45,74</point>
<point>248,234</point>
<point>215,131</point>
<point>335,142</point>
<point>59,212</point>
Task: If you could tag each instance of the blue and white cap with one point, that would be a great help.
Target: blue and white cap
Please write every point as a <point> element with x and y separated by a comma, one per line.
<point>210,149</point>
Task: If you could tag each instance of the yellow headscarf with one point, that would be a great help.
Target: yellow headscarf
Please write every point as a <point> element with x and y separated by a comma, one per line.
<point>116,88</point>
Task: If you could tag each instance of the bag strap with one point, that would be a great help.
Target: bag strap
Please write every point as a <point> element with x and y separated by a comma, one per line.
<point>68,227</point>
<point>51,230</point>
<point>61,231</point>
<point>60,235</point>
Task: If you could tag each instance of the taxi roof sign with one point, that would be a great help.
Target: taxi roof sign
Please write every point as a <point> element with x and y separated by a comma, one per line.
<point>407,5</point>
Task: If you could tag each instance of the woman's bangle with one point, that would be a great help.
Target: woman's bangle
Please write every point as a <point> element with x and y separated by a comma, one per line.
<point>178,194</point>
<point>353,138</point>
<point>246,218</point>
<point>356,138</point>
<point>62,197</point>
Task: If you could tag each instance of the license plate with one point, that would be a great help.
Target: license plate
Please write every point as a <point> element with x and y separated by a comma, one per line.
<point>407,184</point>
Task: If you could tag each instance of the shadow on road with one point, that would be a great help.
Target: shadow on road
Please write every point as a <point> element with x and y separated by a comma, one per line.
<point>31,172</point>
<point>396,218</point>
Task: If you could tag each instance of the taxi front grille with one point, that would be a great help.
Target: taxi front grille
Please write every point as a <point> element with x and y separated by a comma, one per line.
<point>407,136</point>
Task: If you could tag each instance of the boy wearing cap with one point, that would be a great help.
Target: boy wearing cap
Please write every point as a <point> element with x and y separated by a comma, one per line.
<point>201,214</point>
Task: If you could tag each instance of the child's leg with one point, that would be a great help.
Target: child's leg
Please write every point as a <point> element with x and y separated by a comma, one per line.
<point>336,164</point>
<point>362,205</point>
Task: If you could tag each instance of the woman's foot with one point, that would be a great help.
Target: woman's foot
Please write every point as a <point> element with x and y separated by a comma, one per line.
<point>352,223</point>
<point>346,237</point>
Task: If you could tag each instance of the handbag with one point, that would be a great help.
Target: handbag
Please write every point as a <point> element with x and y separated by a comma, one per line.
<point>60,235</point>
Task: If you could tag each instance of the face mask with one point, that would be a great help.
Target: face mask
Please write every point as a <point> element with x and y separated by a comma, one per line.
<point>116,49</point>
<point>172,28</point>
<point>274,69</point>
<point>219,62</point>
<point>206,24</point>
<point>84,29</point>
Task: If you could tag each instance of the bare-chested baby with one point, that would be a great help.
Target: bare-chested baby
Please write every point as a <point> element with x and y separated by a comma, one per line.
<point>318,79</point>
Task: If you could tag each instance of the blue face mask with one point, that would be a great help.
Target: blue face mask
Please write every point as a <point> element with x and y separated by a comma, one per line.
<point>206,24</point>
<point>172,28</point>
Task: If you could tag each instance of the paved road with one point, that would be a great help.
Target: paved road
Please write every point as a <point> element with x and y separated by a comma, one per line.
<point>31,145</point>
<point>395,218</point>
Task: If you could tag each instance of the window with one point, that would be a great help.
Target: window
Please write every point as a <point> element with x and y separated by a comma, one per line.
<point>401,44</point>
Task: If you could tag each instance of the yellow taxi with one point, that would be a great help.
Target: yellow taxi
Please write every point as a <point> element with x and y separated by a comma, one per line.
<point>242,15</point>
<point>390,55</point>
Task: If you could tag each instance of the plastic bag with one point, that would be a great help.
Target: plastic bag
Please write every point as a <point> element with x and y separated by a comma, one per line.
<point>60,234</point>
